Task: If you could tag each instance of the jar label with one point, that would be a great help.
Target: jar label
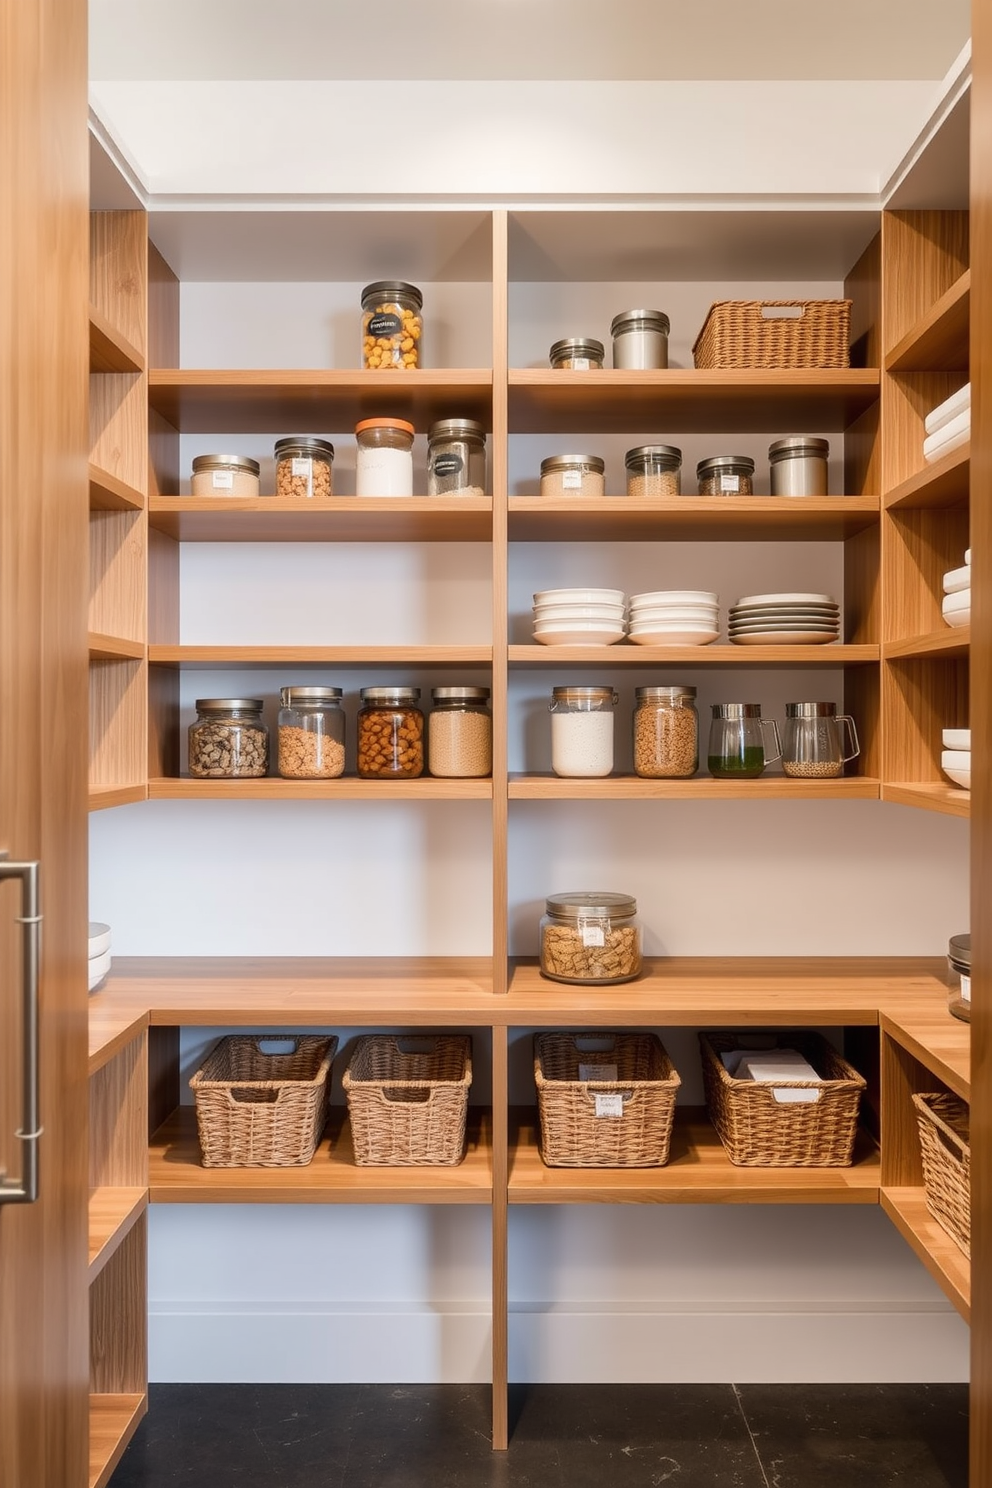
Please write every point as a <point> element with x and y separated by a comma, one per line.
<point>301,465</point>
<point>965,987</point>
<point>580,364</point>
<point>730,483</point>
<point>572,480</point>
<point>385,324</point>
<point>444,466</point>
<point>223,480</point>
<point>592,935</point>
<point>608,1105</point>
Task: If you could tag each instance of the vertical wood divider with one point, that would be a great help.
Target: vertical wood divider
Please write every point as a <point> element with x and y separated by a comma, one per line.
<point>163,551</point>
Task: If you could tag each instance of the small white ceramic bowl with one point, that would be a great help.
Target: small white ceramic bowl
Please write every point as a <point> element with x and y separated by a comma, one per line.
<point>580,596</point>
<point>957,618</point>
<point>691,614</point>
<point>563,636</point>
<point>99,936</point>
<point>957,739</point>
<point>959,777</point>
<point>675,597</point>
<point>957,579</point>
<point>959,600</point>
<point>98,968</point>
<point>685,637</point>
<point>609,613</point>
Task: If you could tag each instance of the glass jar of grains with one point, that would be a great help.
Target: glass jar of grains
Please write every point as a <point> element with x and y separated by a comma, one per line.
<point>654,470</point>
<point>304,468</point>
<point>460,733</point>
<point>311,733</point>
<point>224,475</point>
<point>392,326</point>
<point>228,741</point>
<point>390,734</point>
<point>573,475</point>
<point>726,475</point>
<point>384,457</point>
<point>456,458</point>
<point>590,937</point>
<point>666,733</point>
<point>577,354</point>
<point>582,731</point>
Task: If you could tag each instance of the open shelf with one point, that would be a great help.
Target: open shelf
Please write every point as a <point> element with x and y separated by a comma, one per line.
<point>110,493</point>
<point>934,1037</point>
<point>939,340</point>
<point>110,349</point>
<point>633,788</point>
<point>944,483</point>
<point>698,1172</point>
<point>113,1421</point>
<point>112,1212</point>
<point>626,654</point>
<point>930,795</point>
<point>949,641</point>
<point>111,1029</point>
<point>114,648</point>
<point>345,788</point>
<point>281,656</point>
<point>102,797</point>
<point>340,519</point>
<point>177,1176</point>
<point>942,1256</point>
<point>691,518</point>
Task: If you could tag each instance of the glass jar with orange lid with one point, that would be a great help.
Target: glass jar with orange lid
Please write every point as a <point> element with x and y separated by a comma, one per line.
<point>384,461</point>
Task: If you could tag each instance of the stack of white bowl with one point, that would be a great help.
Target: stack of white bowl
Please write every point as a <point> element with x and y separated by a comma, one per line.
<point>674,617</point>
<point>785,620</point>
<point>99,962</point>
<point>955,759</point>
<point>956,604</point>
<point>579,617</point>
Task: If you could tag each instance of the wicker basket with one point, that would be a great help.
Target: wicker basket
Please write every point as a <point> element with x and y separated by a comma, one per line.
<point>943,1121</point>
<point>408,1099</point>
<point>760,1132</point>
<point>775,334</point>
<point>573,1134</point>
<point>261,1109</point>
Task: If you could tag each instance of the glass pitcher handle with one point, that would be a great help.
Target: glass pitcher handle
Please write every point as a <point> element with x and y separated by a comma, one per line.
<point>848,722</point>
<point>770,723</point>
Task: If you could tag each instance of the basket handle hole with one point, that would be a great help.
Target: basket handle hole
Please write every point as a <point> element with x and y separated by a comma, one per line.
<point>274,1046</point>
<point>588,1043</point>
<point>254,1097</point>
<point>416,1045</point>
<point>396,1095</point>
<point>783,312</point>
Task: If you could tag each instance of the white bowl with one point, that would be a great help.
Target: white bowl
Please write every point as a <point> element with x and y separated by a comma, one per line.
<point>654,637</point>
<point>959,600</point>
<point>675,597</point>
<point>580,596</point>
<point>957,618</point>
<point>98,968</point>
<point>955,759</point>
<point>960,777</point>
<point>564,636</point>
<point>99,938</point>
<point>957,739</point>
<point>609,613</point>
<point>957,579</point>
<point>692,614</point>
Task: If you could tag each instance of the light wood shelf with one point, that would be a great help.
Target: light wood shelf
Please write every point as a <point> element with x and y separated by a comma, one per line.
<point>114,648</point>
<point>691,519</point>
<point>111,1030</point>
<point>624,653</point>
<point>932,795</point>
<point>110,349</point>
<point>177,1175</point>
<point>110,493</point>
<point>939,341</point>
<point>944,483</point>
<point>936,1039</point>
<point>698,1172</point>
<point>113,1421</point>
<point>102,797</point>
<point>703,788</point>
<point>112,1212</point>
<point>345,788</point>
<point>942,1256</point>
<point>948,642</point>
<point>281,656</point>
<point>340,519</point>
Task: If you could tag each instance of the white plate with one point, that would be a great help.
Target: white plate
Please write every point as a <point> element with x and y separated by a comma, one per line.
<point>785,638</point>
<point>955,759</point>
<point>785,609</point>
<point>609,613</point>
<point>566,637</point>
<point>99,938</point>
<point>951,603</point>
<point>675,596</point>
<point>98,968</point>
<point>776,599</point>
<point>673,637</point>
<point>580,596</point>
<point>957,738</point>
<point>957,578</point>
<point>960,777</point>
<point>690,615</point>
<point>787,623</point>
<point>958,618</point>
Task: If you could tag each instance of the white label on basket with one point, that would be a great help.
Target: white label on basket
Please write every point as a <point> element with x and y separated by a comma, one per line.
<point>301,465</point>
<point>571,480</point>
<point>965,987</point>
<point>223,480</point>
<point>592,935</point>
<point>730,483</point>
<point>795,1095</point>
<point>609,1105</point>
<point>598,1072</point>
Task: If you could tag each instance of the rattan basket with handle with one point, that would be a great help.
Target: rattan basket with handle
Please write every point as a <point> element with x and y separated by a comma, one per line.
<point>775,334</point>
<point>621,1121</point>
<point>261,1104</point>
<point>945,1145</point>
<point>408,1099</point>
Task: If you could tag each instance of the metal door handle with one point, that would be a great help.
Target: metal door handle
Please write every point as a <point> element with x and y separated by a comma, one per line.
<point>24,1190</point>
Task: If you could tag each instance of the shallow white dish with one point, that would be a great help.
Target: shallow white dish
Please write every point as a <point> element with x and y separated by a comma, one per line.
<point>675,596</point>
<point>957,579</point>
<point>955,759</point>
<point>99,936</point>
<point>957,738</point>
<point>580,596</point>
<point>960,600</point>
<point>785,609</point>
<point>785,638</point>
<point>564,636</point>
<point>655,637</point>
<point>609,613</point>
<point>689,614</point>
<point>788,622</point>
<point>959,774</point>
<point>957,618</point>
<point>776,599</point>
<point>98,968</point>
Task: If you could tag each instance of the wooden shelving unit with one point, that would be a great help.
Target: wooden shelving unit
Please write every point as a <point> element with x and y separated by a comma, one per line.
<point>633,788</point>
<point>113,1421</point>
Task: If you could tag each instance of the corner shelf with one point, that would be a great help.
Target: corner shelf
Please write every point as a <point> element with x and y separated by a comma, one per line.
<point>112,1213</point>
<point>110,349</point>
<point>633,788</point>
<point>939,340</point>
<point>110,493</point>
<point>928,796</point>
<point>103,797</point>
<point>944,483</point>
<point>114,648</point>
<point>942,1256</point>
<point>950,641</point>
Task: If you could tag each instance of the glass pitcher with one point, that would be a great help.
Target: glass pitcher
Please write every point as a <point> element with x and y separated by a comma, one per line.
<point>814,744</point>
<point>737,741</point>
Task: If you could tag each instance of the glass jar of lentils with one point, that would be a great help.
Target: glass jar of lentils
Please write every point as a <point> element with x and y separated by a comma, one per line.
<point>390,734</point>
<point>726,475</point>
<point>311,733</point>
<point>460,733</point>
<point>304,468</point>
<point>666,733</point>
<point>228,741</point>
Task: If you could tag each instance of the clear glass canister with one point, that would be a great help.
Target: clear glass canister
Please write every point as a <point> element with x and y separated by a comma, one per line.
<point>456,458</point>
<point>640,339</point>
<point>304,468</point>
<point>384,457</point>
<point>577,354</point>
<point>959,968</point>
<point>311,733</point>
<point>654,470</point>
<point>582,731</point>
<point>798,466</point>
<point>392,325</point>
<point>390,734</point>
<point>573,475</point>
<point>737,741</point>
<point>814,745</point>
<point>460,733</point>
<point>590,937</point>
<point>224,475</point>
<point>726,475</point>
<point>228,741</point>
<point>666,733</point>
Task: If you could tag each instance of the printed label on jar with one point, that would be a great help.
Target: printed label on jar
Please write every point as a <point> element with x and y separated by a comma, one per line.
<point>444,466</point>
<point>572,481</point>
<point>730,483</point>
<point>223,480</point>
<point>301,465</point>
<point>592,935</point>
<point>598,1072</point>
<point>608,1105</point>
<point>580,364</point>
<point>965,987</point>
<point>385,325</point>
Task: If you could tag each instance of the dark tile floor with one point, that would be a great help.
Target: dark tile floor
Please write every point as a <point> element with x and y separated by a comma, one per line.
<point>563,1436</point>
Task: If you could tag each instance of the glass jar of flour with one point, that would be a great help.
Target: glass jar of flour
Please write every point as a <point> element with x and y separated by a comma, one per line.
<point>582,731</point>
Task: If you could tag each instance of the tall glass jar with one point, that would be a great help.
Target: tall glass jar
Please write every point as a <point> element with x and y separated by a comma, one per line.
<point>311,733</point>
<point>666,733</point>
<point>460,733</point>
<point>590,937</point>
<point>304,468</point>
<point>228,741</point>
<point>456,458</point>
<point>390,734</point>
<point>384,457</point>
<point>392,326</point>
<point>582,731</point>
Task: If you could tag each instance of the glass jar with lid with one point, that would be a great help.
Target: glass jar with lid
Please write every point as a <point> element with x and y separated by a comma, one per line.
<point>456,458</point>
<point>666,733</point>
<point>392,325</point>
<point>304,468</point>
<point>224,475</point>
<point>460,733</point>
<point>737,741</point>
<point>577,354</point>
<point>590,938</point>
<point>726,475</point>
<point>573,475</point>
<point>640,339</point>
<point>959,968</point>
<point>228,741</point>
<point>654,470</point>
<point>582,731</point>
<point>311,733</point>
<point>390,734</point>
<point>384,457</point>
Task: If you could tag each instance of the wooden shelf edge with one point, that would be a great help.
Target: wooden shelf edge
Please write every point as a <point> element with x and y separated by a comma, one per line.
<point>627,654</point>
<point>114,648</point>
<point>338,519</point>
<point>113,1421</point>
<point>920,1040</point>
<point>113,1212</point>
<point>632,788</point>
<point>344,788</point>
<point>944,483</point>
<point>699,379</point>
<point>263,656</point>
<point>110,493</point>
<point>110,349</point>
<point>111,1029</point>
<point>102,797</point>
<point>936,333</point>
<point>248,378</point>
<point>950,642</point>
<point>928,796</point>
<point>943,1258</point>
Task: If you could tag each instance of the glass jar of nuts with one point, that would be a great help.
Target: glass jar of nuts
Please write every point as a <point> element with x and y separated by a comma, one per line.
<point>228,741</point>
<point>390,734</point>
<point>304,468</point>
<point>392,325</point>
<point>311,733</point>
<point>590,938</point>
<point>666,733</point>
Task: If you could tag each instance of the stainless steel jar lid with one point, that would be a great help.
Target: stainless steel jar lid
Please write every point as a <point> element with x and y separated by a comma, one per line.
<point>959,951</point>
<point>390,289</point>
<point>304,444</point>
<point>798,447</point>
<point>390,694</point>
<point>460,694</point>
<point>456,428</point>
<point>229,705</point>
<point>658,456</point>
<point>662,694</point>
<point>581,905</point>
<point>577,346</point>
<point>640,320</point>
<point>725,465</point>
<point>736,710</point>
<point>811,710</point>
<point>290,696</point>
<point>591,463</point>
<point>225,462</point>
<point>584,694</point>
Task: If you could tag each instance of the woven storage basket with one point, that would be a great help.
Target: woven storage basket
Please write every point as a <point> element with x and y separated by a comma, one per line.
<point>258,1109</point>
<point>945,1138</point>
<point>572,1135</point>
<point>408,1099</point>
<point>760,1132</point>
<point>775,334</point>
